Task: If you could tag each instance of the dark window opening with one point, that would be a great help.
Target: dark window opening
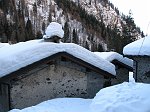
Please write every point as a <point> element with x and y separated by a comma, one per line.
<point>88,70</point>
<point>63,59</point>
<point>147,74</point>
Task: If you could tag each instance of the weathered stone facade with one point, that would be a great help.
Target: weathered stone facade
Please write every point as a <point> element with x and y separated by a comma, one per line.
<point>122,75</point>
<point>48,81</point>
<point>142,69</point>
<point>4,98</point>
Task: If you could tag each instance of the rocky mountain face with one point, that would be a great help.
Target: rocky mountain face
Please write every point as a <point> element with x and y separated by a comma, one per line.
<point>93,24</point>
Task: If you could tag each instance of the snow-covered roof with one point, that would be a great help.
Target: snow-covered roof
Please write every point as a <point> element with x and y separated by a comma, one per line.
<point>140,47</point>
<point>14,57</point>
<point>54,29</point>
<point>110,56</point>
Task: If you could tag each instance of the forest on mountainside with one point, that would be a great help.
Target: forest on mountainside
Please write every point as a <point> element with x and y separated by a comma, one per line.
<point>19,23</point>
<point>115,38</point>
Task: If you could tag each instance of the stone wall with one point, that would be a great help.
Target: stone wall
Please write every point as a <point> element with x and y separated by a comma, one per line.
<point>143,67</point>
<point>95,82</point>
<point>122,75</point>
<point>4,98</point>
<point>57,80</point>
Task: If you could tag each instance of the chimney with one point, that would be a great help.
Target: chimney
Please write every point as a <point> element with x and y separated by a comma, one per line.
<point>54,33</point>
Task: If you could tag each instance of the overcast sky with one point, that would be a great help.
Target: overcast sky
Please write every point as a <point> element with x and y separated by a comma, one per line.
<point>140,10</point>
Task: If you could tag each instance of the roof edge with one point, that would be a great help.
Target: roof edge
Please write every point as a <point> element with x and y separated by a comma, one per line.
<point>122,64</point>
<point>52,57</point>
<point>131,56</point>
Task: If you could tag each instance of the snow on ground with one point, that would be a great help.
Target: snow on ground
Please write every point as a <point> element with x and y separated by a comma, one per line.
<point>60,105</point>
<point>25,53</point>
<point>139,47</point>
<point>110,56</point>
<point>125,97</point>
<point>3,44</point>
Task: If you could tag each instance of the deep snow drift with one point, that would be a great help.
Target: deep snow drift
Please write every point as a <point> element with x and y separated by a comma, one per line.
<point>125,97</point>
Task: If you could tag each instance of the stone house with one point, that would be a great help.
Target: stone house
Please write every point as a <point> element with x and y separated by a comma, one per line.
<point>123,65</point>
<point>34,71</point>
<point>139,51</point>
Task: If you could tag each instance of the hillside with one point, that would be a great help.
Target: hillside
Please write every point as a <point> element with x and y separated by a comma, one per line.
<point>94,24</point>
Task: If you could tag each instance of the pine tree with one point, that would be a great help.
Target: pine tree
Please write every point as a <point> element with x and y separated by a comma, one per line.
<point>43,27</point>
<point>100,48</point>
<point>21,23</point>
<point>35,9</point>
<point>29,30</point>
<point>66,32</point>
<point>39,35</point>
<point>75,37</point>
<point>8,30</point>
<point>87,45</point>
<point>129,30</point>
<point>50,17</point>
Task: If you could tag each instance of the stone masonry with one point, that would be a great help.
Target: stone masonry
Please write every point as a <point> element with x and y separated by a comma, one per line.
<point>121,76</point>
<point>142,69</point>
<point>57,80</point>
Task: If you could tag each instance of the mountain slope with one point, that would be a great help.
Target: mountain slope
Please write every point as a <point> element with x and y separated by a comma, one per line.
<point>93,24</point>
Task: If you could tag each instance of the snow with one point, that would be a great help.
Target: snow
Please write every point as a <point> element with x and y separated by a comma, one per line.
<point>54,29</point>
<point>125,97</point>
<point>110,17</point>
<point>22,54</point>
<point>140,47</point>
<point>3,44</point>
<point>110,56</point>
<point>131,78</point>
<point>60,105</point>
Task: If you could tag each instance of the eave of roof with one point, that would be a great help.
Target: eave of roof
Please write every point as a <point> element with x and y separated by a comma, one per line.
<point>131,56</point>
<point>116,59</point>
<point>119,63</point>
<point>49,59</point>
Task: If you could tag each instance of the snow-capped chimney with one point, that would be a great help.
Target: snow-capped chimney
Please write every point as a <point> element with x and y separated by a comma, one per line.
<point>54,32</point>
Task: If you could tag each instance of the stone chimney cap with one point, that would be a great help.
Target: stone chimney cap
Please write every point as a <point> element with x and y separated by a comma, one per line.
<point>54,29</point>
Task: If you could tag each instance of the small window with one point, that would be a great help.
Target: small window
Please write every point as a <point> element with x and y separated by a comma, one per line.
<point>147,74</point>
<point>63,59</point>
<point>88,70</point>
